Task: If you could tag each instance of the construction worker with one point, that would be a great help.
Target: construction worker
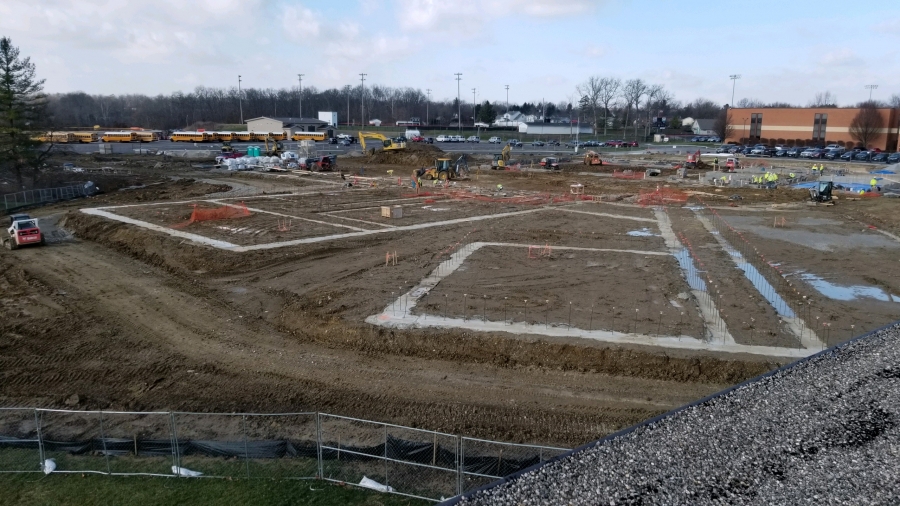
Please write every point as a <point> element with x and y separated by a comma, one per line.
<point>873,183</point>
<point>792,176</point>
<point>716,163</point>
<point>499,187</point>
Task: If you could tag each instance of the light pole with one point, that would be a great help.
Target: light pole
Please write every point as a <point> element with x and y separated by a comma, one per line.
<point>473,108</point>
<point>734,78</point>
<point>362,99</point>
<point>240,100</point>
<point>427,101</point>
<point>300,76</point>
<point>507,99</point>
<point>458,103</point>
<point>744,133</point>
<point>871,87</point>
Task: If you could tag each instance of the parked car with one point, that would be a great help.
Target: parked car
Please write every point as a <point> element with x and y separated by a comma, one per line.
<point>344,142</point>
<point>725,148</point>
<point>879,157</point>
<point>494,140</point>
<point>591,144</point>
<point>630,144</point>
<point>893,158</point>
<point>698,138</point>
<point>848,156</point>
<point>714,138</point>
<point>574,144</point>
<point>515,143</point>
<point>442,138</point>
<point>781,152</point>
<point>615,143</point>
<point>759,150</point>
<point>833,153</point>
<point>553,143</point>
<point>429,140</point>
<point>862,156</point>
<point>537,143</point>
<point>473,138</point>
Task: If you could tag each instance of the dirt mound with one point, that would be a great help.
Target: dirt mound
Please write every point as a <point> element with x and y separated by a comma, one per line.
<point>415,154</point>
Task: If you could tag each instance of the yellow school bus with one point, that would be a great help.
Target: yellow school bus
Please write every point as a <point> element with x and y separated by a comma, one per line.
<point>57,137</point>
<point>147,136</point>
<point>308,136</point>
<point>262,136</point>
<point>191,137</point>
<point>119,137</point>
<point>225,136</point>
<point>242,136</point>
<point>86,136</point>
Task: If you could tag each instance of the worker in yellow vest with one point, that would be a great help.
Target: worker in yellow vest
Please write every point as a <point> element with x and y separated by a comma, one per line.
<point>873,183</point>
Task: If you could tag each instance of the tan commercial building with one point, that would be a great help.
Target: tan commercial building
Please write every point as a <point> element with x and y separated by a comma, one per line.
<point>811,126</point>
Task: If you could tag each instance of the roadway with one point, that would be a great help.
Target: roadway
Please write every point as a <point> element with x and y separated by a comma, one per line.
<point>482,148</point>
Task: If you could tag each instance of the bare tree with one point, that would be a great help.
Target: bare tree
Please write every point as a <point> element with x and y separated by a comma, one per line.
<point>609,91</point>
<point>723,126</point>
<point>867,125</point>
<point>747,103</point>
<point>653,93</point>
<point>590,94</point>
<point>823,99</point>
<point>895,101</point>
<point>632,93</point>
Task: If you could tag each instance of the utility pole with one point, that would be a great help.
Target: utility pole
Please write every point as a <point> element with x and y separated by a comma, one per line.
<point>871,87</point>
<point>507,99</point>
<point>300,76</point>
<point>474,119</point>
<point>362,99</point>
<point>458,103</point>
<point>427,101</point>
<point>734,78</point>
<point>240,100</point>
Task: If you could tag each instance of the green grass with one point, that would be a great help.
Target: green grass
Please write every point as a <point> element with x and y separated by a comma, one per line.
<point>77,489</point>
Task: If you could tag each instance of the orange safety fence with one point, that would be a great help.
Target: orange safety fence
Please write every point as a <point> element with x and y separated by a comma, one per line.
<point>226,212</point>
<point>628,174</point>
<point>661,197</point>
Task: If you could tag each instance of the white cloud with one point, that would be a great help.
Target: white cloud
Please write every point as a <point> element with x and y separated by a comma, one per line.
<point>840,58</point>
<point>472,17</point>
<point>300,23</point>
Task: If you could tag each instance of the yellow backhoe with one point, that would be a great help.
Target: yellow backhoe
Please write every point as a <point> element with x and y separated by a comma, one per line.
<point>444,169</point>
<point>275,149</point>
<point>387,143</point>
<point>499,161</point>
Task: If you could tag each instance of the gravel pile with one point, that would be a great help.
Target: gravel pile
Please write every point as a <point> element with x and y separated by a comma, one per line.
<point>822,432</point>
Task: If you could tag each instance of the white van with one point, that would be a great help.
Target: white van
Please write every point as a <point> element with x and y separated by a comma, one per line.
<point>442,138</point>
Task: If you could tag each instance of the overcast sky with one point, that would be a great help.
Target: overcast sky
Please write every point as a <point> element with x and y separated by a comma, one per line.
<point>785,50</point>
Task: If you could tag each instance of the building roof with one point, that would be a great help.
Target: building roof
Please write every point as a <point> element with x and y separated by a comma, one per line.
<point>705,124</point>
<point>288,121</point>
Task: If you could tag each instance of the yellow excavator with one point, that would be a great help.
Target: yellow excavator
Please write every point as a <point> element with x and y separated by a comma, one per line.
<point>500,160</point>
<point>276,148</point>
<point>387,143</point>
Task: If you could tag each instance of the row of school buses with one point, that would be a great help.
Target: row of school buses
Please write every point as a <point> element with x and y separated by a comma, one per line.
<point>155,135</point>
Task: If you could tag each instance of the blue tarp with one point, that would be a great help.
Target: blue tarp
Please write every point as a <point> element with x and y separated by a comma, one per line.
<point>882,171</point>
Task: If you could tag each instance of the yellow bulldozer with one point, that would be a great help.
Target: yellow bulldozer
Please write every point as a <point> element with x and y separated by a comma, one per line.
<point>592,158</point>
<point>500,161</point>
<point>386,143</point>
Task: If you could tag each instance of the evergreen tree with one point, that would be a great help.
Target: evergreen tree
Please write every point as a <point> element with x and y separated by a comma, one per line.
<point>21,113</point>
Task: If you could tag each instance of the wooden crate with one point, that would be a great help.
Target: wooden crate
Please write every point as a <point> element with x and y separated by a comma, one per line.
<point>391,212</point>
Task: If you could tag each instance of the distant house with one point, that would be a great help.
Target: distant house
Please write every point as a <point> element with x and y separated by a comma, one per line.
<point>287,125</point>
<point>509,119</point>
<point>704,127</point>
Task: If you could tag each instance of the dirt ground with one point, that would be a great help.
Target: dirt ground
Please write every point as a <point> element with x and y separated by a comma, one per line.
<point>111,316</point>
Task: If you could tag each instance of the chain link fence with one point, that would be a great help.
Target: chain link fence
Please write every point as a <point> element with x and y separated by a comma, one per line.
<point>26,198</point>
<point>391,458</point>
